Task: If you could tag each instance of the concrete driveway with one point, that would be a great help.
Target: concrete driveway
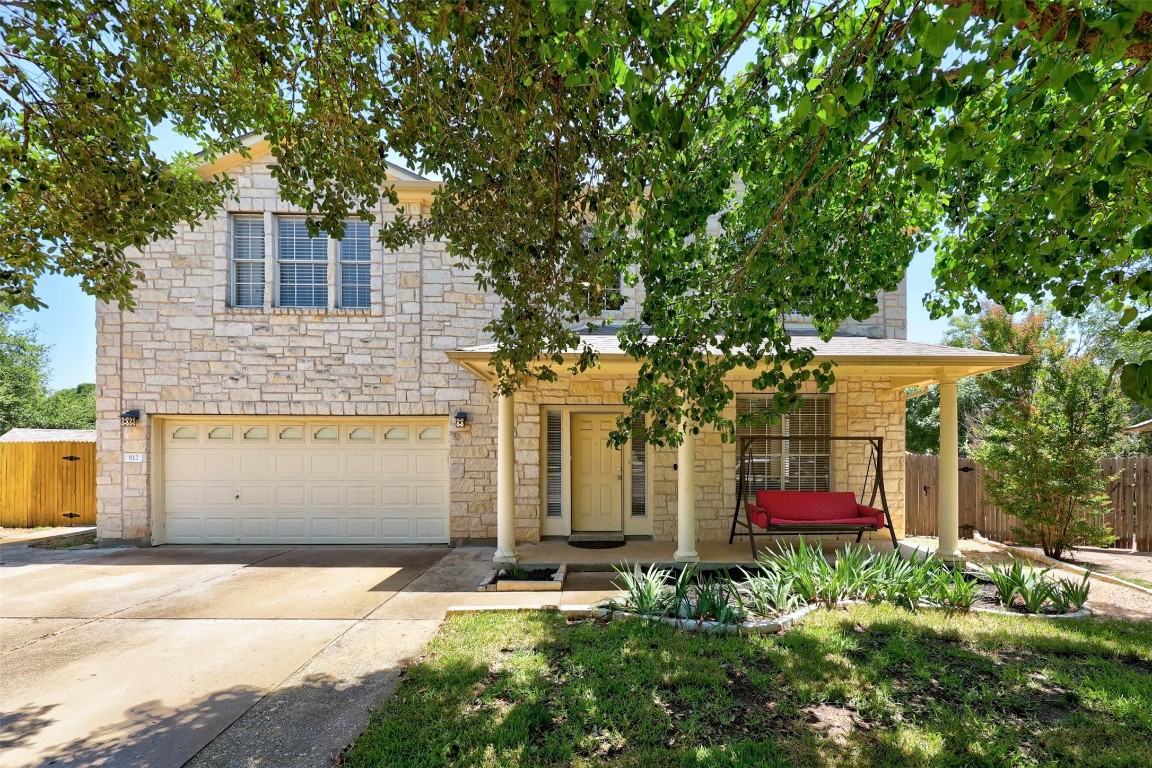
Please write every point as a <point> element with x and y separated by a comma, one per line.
<point>143,657</point>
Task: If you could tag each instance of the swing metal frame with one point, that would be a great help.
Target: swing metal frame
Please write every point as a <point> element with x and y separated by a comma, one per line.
<point>873,473</point>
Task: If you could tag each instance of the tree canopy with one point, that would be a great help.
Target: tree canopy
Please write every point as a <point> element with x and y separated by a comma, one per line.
<point>25,400</point>
<point>744,160</point>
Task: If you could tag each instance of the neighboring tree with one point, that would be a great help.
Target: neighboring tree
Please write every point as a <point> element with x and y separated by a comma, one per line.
<point>73,408</point>
<point>1035,333</point>
<point>23,368</point>
<point>24,398</point>
<point>923,417</point>
<point>1043,456</point>
<point>583,140</point>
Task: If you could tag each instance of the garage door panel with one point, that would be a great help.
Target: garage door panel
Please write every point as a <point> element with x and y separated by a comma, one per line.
<point>327,496</point>
<point>325,465</point>
<point>290,496</point>
<point>184,495</point>
<point>327,527</point>
<point>221,465</point>
<point>400,529</point>
<point>255,462</point>
<point>222,527</point>
<point>291,528</point>
<point>288,466</point>
<point>257,527</point>
<point>396,496</point>
<point>364,465</point>
<point>362,496</point>
<point>431,496</point>
<point>257,496</point>
<point>219,496</point>
<point>297,488</point>
<point>362,528</point>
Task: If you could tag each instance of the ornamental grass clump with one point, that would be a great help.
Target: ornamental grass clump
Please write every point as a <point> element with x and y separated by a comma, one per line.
<point>952,589</point>
<point>719,600</point>
<point>1036,590</point>
<point>769,593</point>
<point>1070,596</point>
<point>645,592</point>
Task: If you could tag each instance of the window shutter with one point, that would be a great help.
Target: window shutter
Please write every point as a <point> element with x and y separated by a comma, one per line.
<point>639,474</point>
<point>554,455</point>
<point>247,261</point>
<point>356,266</point>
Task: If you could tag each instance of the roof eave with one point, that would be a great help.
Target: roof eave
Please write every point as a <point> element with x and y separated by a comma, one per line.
<point>911,370</point>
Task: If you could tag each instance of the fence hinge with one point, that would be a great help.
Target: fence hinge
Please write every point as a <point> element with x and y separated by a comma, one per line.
<point>71,458</point>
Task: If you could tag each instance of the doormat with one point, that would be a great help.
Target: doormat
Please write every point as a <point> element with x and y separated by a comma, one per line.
<point>596,544</point>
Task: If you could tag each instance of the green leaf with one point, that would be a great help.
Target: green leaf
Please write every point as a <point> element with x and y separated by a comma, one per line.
<point>1082,87</point>
<point>854,94</point>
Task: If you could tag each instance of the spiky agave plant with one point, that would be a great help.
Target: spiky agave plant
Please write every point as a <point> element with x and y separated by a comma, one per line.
<point>646,592</point>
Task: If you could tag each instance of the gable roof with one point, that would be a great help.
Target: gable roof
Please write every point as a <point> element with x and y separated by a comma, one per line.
<point>258,147</point>
<point>49,436</point>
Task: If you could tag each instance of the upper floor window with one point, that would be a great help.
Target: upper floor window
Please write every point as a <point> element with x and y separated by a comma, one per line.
<point>306,270</point>
<point>302,262</point>
<point>247,261</point>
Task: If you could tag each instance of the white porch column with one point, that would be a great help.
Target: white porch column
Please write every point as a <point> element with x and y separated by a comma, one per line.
<point>686,499</point>
<point>948,549</point>
<point>506,480</point>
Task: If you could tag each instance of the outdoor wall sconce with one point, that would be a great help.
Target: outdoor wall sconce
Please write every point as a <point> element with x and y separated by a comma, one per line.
<point>129,418</point>
<point>461,420</point>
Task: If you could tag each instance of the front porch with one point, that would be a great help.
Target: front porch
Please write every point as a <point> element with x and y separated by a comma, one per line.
<point>685,495</point>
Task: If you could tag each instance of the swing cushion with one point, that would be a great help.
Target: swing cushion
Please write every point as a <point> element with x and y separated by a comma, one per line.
<point>826,508</point>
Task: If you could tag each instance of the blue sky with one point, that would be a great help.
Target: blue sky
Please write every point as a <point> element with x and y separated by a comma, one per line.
<point>68,324</point>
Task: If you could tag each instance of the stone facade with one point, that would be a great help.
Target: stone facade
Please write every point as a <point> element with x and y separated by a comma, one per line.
<point>184,351</point>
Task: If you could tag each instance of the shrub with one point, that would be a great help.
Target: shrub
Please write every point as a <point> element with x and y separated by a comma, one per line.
<point>1042,454</point>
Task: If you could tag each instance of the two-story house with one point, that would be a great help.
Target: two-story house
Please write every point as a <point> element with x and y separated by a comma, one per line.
<point>296,389</point>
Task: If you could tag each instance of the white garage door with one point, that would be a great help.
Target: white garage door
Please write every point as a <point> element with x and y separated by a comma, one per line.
<point>322,481</point>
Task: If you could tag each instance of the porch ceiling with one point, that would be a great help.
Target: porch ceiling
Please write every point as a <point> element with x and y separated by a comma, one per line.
<point>907,363</point>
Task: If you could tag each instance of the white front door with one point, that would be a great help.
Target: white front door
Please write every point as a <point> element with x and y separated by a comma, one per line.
<point>597,475</point>
<point>242,480</point>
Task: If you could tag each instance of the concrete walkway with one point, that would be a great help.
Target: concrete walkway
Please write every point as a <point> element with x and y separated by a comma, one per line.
<point>219,656</point>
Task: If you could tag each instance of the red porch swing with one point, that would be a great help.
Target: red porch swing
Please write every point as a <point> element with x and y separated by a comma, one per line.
<point>781,512</point>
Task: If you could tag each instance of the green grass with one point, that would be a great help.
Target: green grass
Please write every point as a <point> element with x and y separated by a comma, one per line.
<point>65,542</point>
<point>906,689</point>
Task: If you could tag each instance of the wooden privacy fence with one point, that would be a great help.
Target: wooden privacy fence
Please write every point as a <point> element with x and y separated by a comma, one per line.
<point>47,483</point>
<point>1131,492</point>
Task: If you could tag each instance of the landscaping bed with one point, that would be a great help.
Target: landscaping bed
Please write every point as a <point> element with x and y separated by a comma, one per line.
<point>521,579</point>
<point>863,686</point>
<point>785,586</point>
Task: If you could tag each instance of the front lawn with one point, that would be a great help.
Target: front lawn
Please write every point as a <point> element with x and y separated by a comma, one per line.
<point>869,686</point>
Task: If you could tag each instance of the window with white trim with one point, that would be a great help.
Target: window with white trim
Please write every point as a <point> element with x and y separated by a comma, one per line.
<point>302,264</point>
<point>796,460</point>
<point>247,261</point>
<point>355,265</point>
